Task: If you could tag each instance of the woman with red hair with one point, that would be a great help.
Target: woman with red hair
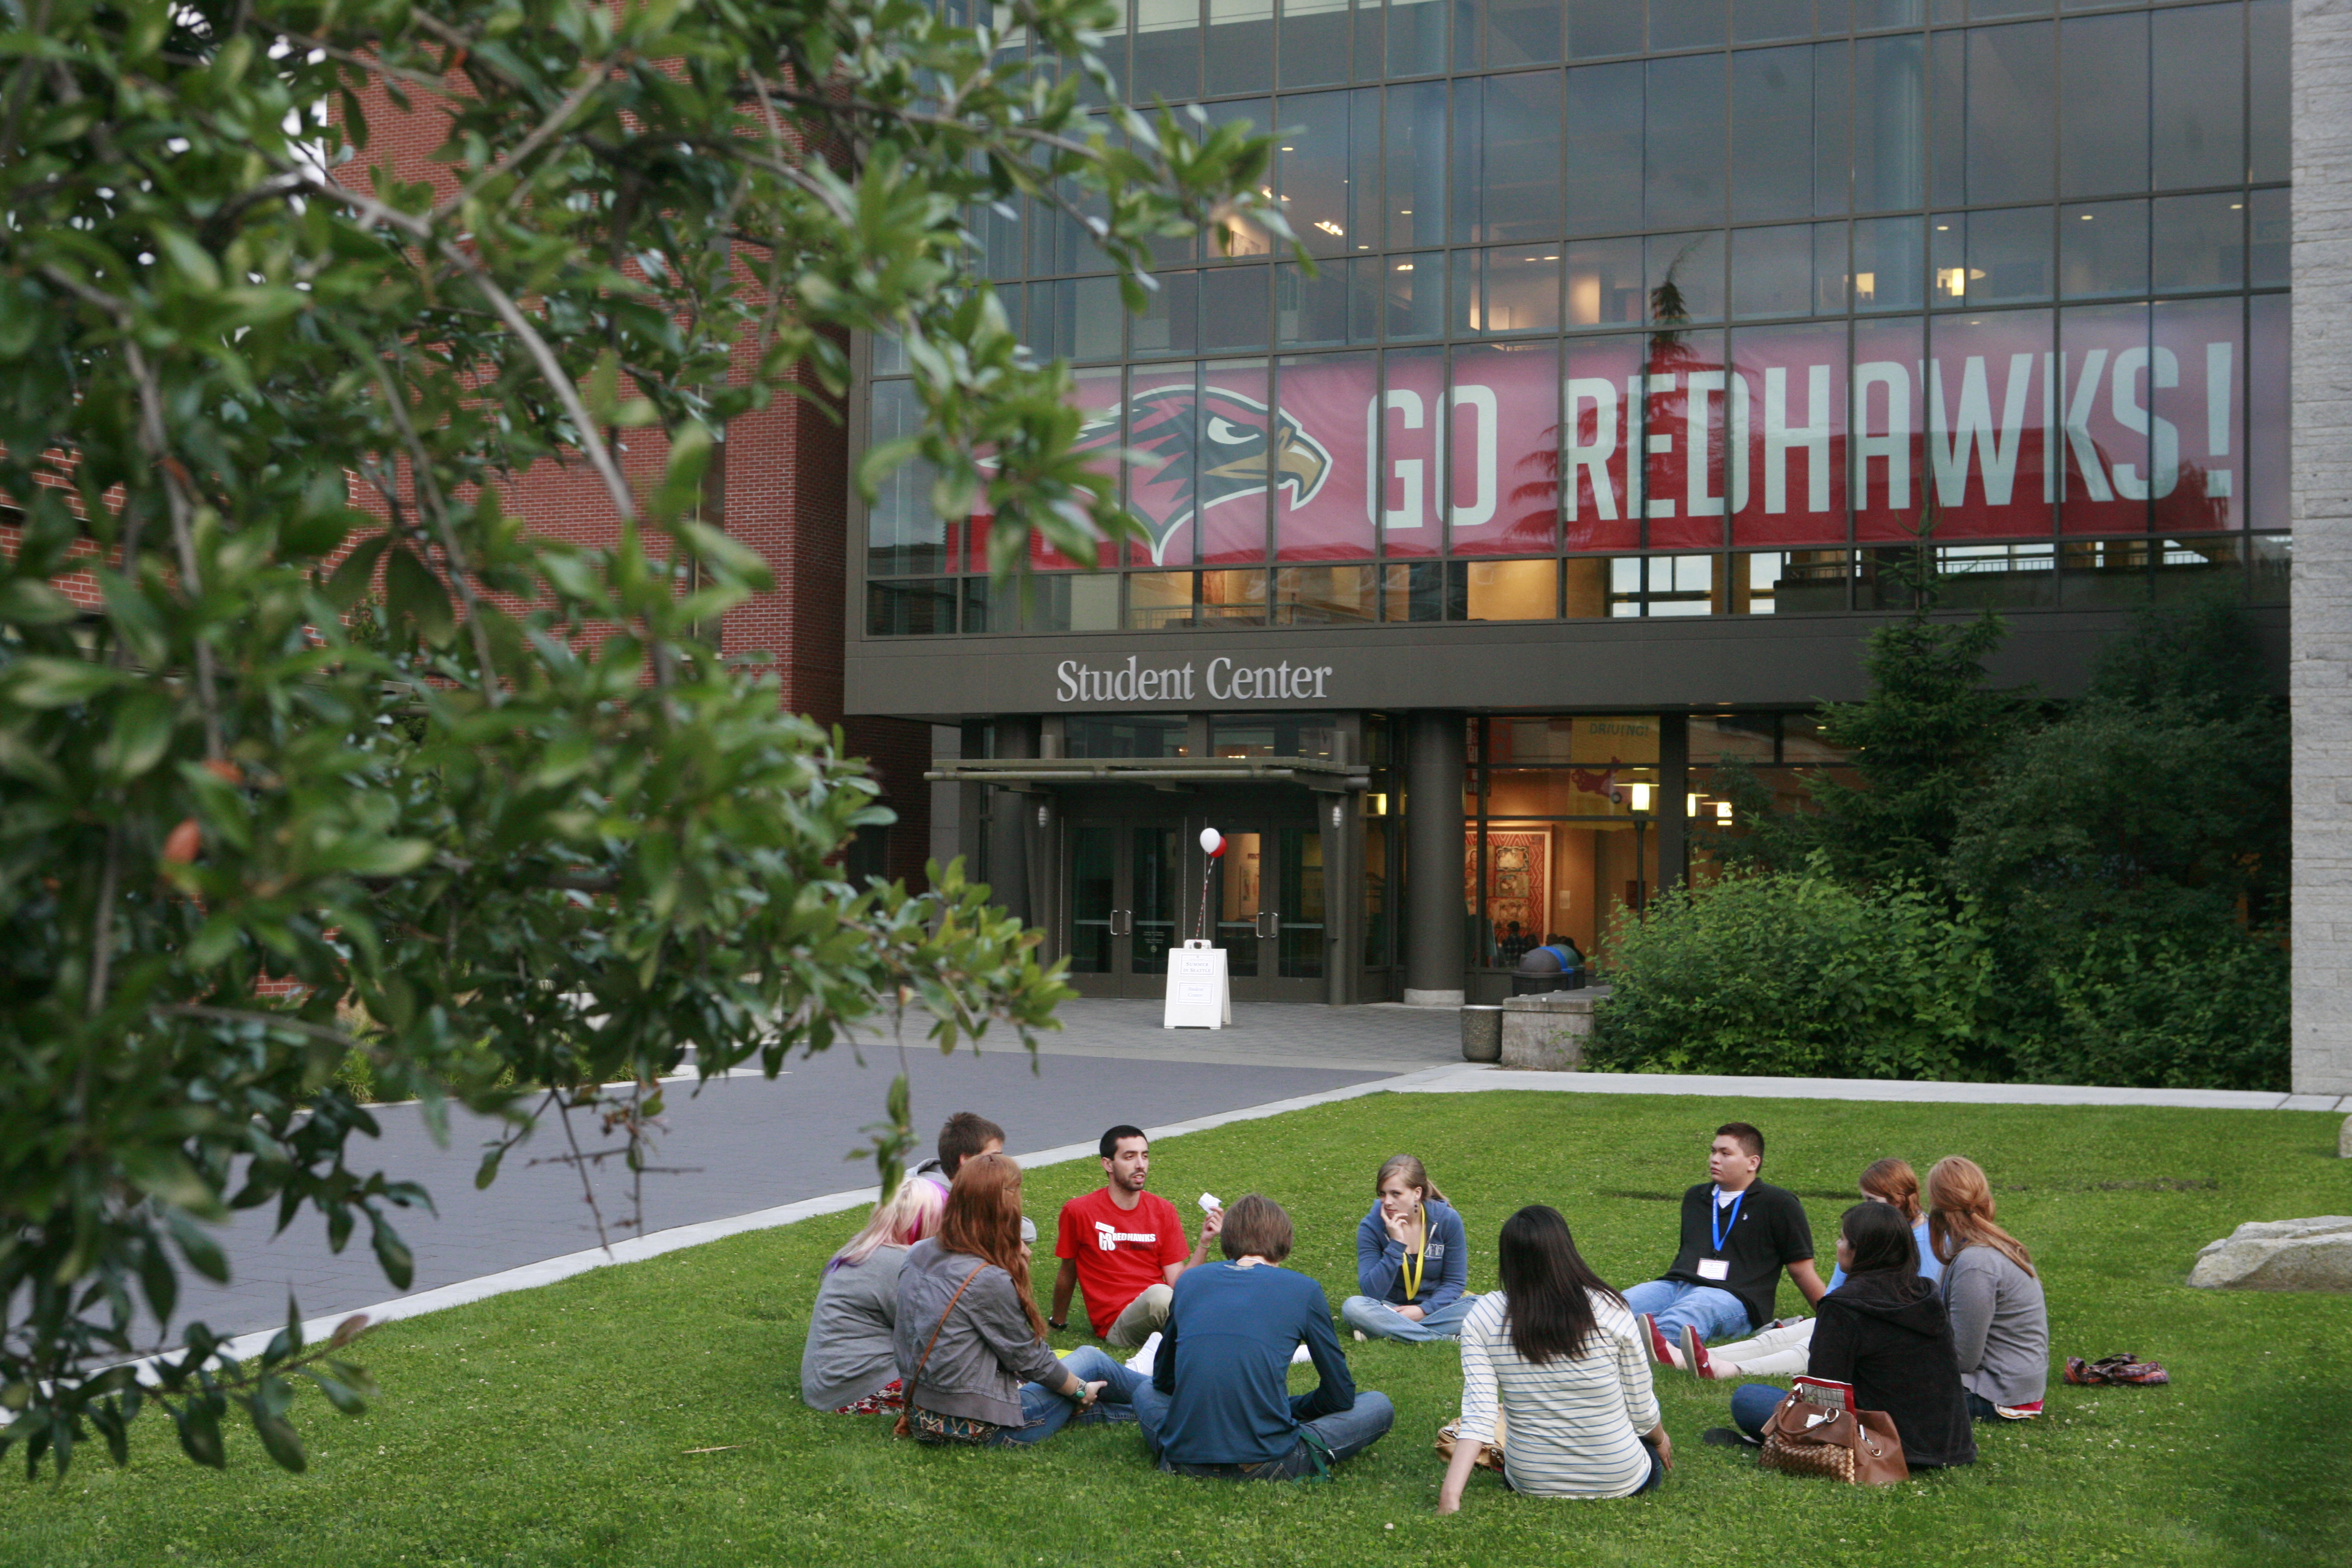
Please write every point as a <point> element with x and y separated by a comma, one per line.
<point>971,1343</point>
<point>2001,1322</point>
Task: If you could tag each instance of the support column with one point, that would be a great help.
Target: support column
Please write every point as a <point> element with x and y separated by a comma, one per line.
<point>1008,829</point>
<point>1673,799</point>
<point>2320,502</point>
<point>1434,917</point>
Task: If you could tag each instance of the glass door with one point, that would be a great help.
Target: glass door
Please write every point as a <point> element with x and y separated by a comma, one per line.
<point>1124,879</point>
<point>1268,898</point>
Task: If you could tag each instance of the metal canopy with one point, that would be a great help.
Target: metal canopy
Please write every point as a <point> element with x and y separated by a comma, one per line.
<point>1314,772</point>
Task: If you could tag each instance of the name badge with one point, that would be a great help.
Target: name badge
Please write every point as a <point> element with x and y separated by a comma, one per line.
<point>1714,1268</point>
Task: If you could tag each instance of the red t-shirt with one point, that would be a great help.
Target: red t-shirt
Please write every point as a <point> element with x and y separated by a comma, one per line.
<point>1120,1253</point>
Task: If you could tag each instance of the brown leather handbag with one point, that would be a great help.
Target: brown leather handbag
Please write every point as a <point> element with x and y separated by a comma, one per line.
<point>1490,1453</point>
<point>1857,1446</point>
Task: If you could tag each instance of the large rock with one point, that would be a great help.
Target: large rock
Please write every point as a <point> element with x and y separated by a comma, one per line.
<point>2344,1140</point>
<point>2278,1255</point>
<point>1547,1031</point>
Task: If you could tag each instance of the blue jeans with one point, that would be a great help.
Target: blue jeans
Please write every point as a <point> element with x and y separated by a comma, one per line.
<point>1717,1314</point>
<point>1347,1434</point>
<point>1048,1412</point>
<point>1382,1320</point>
<point>1752,1404</point>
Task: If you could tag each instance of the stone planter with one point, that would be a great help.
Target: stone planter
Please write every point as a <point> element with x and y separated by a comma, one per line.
<point>1548,1033</point>
<point>1482,1034</point>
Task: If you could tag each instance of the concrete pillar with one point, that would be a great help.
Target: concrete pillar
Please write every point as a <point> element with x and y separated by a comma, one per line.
<point>2320,675</point>
<point>1434,917</point>
<point>1008,826</point>
<point>1674,798</point>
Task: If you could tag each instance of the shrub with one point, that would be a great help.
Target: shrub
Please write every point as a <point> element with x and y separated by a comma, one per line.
<point>2161,1012</point>
<point>1793,972</point>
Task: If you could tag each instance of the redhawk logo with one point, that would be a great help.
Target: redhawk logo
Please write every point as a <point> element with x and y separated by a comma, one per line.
<point>1201,450</point>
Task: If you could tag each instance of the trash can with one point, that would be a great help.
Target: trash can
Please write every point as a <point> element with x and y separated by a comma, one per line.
<point>1481,1033</point>
<point>1546,969</point>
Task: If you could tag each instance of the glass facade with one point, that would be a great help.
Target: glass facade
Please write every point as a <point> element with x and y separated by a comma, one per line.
<point>1685,309</point>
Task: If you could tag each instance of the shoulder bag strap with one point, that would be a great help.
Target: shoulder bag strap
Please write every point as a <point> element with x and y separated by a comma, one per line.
<point>902,1428</point>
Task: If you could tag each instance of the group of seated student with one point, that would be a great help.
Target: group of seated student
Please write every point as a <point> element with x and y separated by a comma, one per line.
<point>1934,1317</point>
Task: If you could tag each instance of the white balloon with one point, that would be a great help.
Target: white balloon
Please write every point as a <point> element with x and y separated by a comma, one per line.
<point>1211,838</point>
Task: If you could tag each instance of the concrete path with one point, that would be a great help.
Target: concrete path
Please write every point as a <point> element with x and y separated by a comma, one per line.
<point>744,1143</point>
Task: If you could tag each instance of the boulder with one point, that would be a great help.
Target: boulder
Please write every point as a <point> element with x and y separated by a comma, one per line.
<point>2344,1140</point>
<point>2278,1255</point>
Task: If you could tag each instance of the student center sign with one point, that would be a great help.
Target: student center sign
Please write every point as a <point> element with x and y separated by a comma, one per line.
<point>1639,341</point>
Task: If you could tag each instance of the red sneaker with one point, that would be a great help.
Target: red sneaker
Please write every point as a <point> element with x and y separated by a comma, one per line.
<point>1661,1350</point>
<point>1694,1354</point>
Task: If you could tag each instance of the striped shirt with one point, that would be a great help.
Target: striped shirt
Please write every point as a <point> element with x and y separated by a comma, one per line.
<point>1570,1426</point>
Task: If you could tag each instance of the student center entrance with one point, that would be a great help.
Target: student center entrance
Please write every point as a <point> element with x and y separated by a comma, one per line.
<point>1640,340</point>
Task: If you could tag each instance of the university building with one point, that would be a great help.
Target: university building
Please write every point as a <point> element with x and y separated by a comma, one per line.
<point>1638,342</point>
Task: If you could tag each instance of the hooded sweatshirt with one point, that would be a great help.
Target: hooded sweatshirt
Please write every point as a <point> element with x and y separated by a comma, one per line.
<point>1886,1332</point>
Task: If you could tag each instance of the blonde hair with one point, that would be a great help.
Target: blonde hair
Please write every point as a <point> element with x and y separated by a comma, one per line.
<point>1897,1182</point>
<point>983,1221</point>
<point>1960,1214</point>
<point>907,1217</point>
<point>1414,1173</point>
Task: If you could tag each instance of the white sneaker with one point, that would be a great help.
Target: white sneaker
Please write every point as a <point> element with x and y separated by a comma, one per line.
<point>1360,1337</point>
<point>1299,1357</point>
<point>1140,1362</point>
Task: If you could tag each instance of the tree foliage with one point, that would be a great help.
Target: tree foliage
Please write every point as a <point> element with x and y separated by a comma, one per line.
<point>524,827</point>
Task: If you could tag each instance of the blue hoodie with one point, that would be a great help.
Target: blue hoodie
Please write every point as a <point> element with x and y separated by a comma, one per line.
<point>1380,1259</point>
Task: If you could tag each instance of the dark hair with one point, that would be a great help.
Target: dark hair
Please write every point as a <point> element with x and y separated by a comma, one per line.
<point>1747,1137</point>
<point>1879,1238</point>
<point>966,1133</point>
<point>1256,1225</point>
<point>1111,1139</point>
<point>1548,1289</point>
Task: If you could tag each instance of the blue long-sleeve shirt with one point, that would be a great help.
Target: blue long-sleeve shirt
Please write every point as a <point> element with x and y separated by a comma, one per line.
<point>1929,1268</point>
<point>1380,1257</point>
<point>1224,1364</point>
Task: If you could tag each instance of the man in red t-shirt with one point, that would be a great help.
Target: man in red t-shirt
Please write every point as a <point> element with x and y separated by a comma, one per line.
<point>1124,1247</point>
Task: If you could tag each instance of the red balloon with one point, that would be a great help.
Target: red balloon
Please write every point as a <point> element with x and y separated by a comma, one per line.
<point>1218,851</point>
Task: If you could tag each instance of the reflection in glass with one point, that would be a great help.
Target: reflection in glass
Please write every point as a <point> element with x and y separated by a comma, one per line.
<point>1683,140</point>
<point>922,606</point>
<point>1415,188</point>
<point>1416,37</point>
<point>1507,289</point>
<point>1158,600</point>
<point>2200,241</point>
<point>1233,598</point>
<point>1891,100</point>
<point>2011,101</point>
<point>2102,250</point>
<point>1325,595</point>
<point>2197,61</point>
<point>1314,182</point>
<point>1604,148</point>
<point>1600,27</point>
<point>1772,154</point>
<point>1157,871</point>
<point>1413,591</point>
<point>1170,321</point>
<point>1772,272</point>
<point>1506,157</point>
<point>1765,21</point>
<point>903,532</point>
<point>1094,851</point>
<point>1513,590</point>
<point>2267,155</point>
<point>1299,878</point>
<point>1889,263</point>
<point>2270,229</point>
<point>1073,602</point>
<point>2009,257</point>
<point>1686,23</point>
<point>1414,292</point>
<point>1125,735</point>
<point>1240,56</point>
<point>1232,309</point>
<point>1314,42</point>
<point>1310,311</point>
<point>1523,32</point>
<point>1685,276</point>
<point>1604,282</point>
<point>2103,106</point>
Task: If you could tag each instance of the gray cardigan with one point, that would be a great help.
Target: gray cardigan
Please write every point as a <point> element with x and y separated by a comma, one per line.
<point>987,1349</point>
<point>2001,1326</point>
<point>850,1353</point>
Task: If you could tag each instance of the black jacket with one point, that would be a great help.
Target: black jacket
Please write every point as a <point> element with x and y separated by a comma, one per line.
<point>1887,1334</point>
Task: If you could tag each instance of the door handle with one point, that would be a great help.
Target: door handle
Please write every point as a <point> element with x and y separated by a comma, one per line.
<point>1122,923</point>
<point>1269,923</point>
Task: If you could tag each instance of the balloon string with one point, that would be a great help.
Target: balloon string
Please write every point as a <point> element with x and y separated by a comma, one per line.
<point>1200,924</point>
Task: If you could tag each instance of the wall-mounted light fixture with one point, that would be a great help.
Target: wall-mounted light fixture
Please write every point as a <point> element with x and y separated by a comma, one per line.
<point>1043,815</point>
<point>1641,795</point>
<point>1338,814</point>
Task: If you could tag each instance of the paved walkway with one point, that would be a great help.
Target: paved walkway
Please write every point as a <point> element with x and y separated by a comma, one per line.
<point>744,1143</point>
<point>767,1154</point>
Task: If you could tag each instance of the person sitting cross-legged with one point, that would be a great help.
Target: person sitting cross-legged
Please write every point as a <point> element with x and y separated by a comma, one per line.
<point>850,1365</point>
<point>1219,1402</point>
<point>1411,1261</point>
<point>1738,1234</point>
<point>1553,1368</point>
<point>1124,1247</point>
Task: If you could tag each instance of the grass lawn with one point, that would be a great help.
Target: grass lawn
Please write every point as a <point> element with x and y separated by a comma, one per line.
<point>553,1426</point>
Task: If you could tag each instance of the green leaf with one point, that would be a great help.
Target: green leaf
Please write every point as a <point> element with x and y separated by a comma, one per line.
<point>29,602</point>
<point>283,1442</point>
<point>140,734</point>
<point>41,680</point>
<point>353,579</point>
<point>415,594</point>
<point>391,1252</point>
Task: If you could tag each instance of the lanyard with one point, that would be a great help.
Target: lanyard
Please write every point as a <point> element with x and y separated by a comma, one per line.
<point>1722,1226</point>
<point>1416,1264</point>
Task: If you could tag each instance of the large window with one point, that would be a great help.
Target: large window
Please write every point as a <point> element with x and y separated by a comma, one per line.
<point>1689,308</point>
